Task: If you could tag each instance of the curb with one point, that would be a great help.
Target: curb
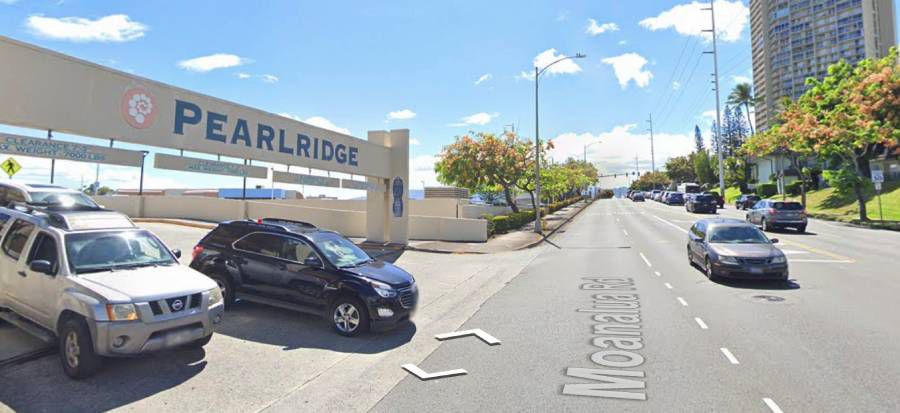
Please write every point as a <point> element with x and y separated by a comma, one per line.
<point>544,238</point>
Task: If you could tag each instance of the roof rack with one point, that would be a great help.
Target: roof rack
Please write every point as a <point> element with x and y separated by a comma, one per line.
<point>291,225</point>
<point>54,218</point>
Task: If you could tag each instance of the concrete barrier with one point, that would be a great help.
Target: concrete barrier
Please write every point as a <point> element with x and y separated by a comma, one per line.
<point>349,223</point>
<point>128,205</point>
<point>472,211</point>
<point>447,229</point>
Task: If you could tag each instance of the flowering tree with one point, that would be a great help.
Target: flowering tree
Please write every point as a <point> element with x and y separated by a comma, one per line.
<point>483,162</point>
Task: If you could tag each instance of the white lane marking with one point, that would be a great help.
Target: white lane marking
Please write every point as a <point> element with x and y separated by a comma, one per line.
<point>701,323</point>
<point>825,261</point>
<point>669,286</point>
<point>729,356</point>
<point>646,261</point>
<point>625,231</point>
<point>772,406</point>
<point>681,300</point>
<point>793,252</point>
<point>657,273</point>
<point>673,225</point>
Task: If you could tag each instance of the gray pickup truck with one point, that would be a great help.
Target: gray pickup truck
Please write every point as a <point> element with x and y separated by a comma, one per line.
<point>98,286</point>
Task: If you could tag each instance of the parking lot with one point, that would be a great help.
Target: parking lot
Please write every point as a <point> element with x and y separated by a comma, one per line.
<point>265,358</point>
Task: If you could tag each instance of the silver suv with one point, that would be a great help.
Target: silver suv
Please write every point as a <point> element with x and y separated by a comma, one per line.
<point>99,286</point>
<point>44,195</point>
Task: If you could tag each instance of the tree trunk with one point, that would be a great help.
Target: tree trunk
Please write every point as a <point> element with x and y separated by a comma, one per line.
<point>509,199</point>
<point>533,204</point>
<point>749,122</point>
<point>862,169</point>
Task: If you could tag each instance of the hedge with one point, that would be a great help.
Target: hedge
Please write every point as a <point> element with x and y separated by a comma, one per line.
<point>793,188</point>
<point>766,190</point>
<point>504,223</point>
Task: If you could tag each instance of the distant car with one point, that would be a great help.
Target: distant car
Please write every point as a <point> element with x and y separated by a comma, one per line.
<point>654,194</point>
<point>41,195</point>
<point>777,214</point>
<point>638,197</point>
<point>674,198</point>
<point>701,203</point>
<point>720,202</point>
<point>729,248</point>
<point>746,201</point>
<point>662,196</point>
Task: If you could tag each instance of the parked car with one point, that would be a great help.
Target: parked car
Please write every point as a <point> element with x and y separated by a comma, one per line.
<point>720,202</point>
<point>746,201</point>
<point>99,286</point>
<point>729,248</point>
<point>662,196</point>
<point>638,197</point>
<point>772,215</point>
<point>674,198</point>
<point>701,203</point>
<point>294,265</point>
<point>654,194</point>
<point>45,195</point>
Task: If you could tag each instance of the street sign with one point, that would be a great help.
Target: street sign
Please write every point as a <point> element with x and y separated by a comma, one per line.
<point>877,176</point>
<point>878,186</point>
<point>10,166</point>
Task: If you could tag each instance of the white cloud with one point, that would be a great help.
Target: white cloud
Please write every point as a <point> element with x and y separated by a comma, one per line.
<point>480,118</point>
<point>676,85</point>
<point>630,67</point>
<point>483,78</point>
<point>741,79</point>
<point>690,20</point>
<point>421,169</point>
<point>595,29</point>
<point>617,148</point>
<point>547,57</point>
<point>212,62</point>
<point>269,78</point>
<point>8,1</point>
<point>401,114</point>
<point>414,141</point>
<point>622,42</point>
<point>243,75</point>
<point>318,121</point>
<point>112,28</point>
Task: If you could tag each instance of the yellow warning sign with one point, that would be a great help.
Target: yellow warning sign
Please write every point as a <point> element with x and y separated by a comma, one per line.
<point>10,166</point>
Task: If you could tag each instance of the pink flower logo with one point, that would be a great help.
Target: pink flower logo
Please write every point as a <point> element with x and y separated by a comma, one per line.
<point>138,108</point>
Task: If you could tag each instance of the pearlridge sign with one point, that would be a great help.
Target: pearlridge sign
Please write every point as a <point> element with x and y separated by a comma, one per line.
<point>43,89</point>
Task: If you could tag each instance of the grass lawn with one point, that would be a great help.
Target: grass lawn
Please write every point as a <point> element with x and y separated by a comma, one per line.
<point>732,193</point>
<point>826,202</point>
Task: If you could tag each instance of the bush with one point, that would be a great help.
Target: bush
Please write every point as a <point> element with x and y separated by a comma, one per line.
<point>793,188</point>
<point>766,190</point>
<point>490,224</point>
<point>606,194</point>
<point>500,224</point>
<point>505,223</point>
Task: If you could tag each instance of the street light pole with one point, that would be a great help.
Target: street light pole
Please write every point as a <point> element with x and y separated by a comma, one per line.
<point>141,184</point>
<point>537,141</point>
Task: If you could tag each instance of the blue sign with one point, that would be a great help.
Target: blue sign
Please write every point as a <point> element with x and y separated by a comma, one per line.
<point>397,190</point>
<point>261,136</point>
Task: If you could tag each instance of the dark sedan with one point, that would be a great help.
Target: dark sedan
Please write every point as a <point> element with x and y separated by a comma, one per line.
<point>701,203</point>
<point>746,201</point>
<point>729,248</point>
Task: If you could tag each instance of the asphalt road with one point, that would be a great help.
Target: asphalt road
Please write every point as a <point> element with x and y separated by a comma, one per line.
<point>825,341</point>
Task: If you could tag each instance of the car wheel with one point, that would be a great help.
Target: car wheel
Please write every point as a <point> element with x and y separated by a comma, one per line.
<point>226,287</point>
<point>349,316</point>
<point>710,273</point>
<point>198,344</point>
<point>801,229</point>
<point>765,225</point>
<point>76,349</point>
<point>690,257</point>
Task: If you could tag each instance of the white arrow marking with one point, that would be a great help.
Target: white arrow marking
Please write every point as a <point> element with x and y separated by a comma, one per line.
<point>422,375</point>
<point>487,338</point>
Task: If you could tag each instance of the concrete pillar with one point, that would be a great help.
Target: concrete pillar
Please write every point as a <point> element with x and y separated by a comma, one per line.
<point>387,211</point>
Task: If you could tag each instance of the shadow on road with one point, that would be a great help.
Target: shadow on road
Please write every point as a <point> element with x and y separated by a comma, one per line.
<point>760,285</point>
<point>120,383</point>
<point>293,330</point>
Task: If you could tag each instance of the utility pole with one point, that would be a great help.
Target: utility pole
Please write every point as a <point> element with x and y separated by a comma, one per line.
<point>652,155</point>
<point>718,136</point>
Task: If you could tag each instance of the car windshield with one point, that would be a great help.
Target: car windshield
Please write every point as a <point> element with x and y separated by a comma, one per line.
<point>743,234</point>
<point>704,198</point>
<point>788,206</point>
<point>111,250</point>
<point>340,251</point>
<point>63,199</point>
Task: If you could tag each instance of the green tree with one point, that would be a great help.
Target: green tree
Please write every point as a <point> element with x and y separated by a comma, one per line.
<point>650,181</point>
<point>742,95</point>
<point>680,169</point>
<point>703,168</point>
<point>483,162</point>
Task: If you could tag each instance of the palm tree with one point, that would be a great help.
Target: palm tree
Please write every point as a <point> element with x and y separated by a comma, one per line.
<point>742,95</point>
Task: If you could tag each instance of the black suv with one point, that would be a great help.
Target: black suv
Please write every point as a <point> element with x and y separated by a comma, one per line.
<point>746,201</point>
<point>294,265</point>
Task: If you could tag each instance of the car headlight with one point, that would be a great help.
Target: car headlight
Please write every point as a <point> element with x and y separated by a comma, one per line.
<point>725,259</point>
<point>384,290</point>
<point>215,296</point>
<point>781,259</point>
<point>121,312</point>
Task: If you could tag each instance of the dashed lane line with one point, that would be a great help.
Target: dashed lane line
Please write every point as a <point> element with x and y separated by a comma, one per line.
<point>731,358</point>
<point>669,223</point>
<point>701,323</point>
<point>646,261</point>
<point>625,231</point>
<point>657,273</point>
<point>669,286</point>
<point>682,301</point>
<point>772,406</point>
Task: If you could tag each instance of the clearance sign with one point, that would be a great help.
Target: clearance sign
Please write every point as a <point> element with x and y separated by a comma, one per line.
<point>43,89</point>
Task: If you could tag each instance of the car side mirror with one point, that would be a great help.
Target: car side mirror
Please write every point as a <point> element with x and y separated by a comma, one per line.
<point>176,252</point>
<point>774,240</point>
<point>41,266</point>
<point>313,261</point>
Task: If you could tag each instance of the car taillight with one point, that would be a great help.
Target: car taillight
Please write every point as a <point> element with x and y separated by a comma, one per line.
<point>198,249</point>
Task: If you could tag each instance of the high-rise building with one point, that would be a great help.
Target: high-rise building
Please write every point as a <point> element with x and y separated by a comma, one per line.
<point>796,39</point>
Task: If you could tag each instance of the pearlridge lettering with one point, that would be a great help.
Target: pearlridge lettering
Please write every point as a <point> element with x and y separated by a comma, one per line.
<point>266,137</point>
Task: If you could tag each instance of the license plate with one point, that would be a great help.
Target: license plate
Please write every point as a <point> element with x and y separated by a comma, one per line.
<point>178,338</point>
<point>755,270</point>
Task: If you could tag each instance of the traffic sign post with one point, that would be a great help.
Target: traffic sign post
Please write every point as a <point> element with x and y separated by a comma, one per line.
<point>877,179</point>
<point>11,166</point>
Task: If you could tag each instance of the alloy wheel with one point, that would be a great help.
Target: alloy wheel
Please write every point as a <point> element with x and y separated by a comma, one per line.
<point>73,351</point>
<point>346,317</point>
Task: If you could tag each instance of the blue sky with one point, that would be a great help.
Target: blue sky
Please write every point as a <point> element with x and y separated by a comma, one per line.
<point>364,65</point>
